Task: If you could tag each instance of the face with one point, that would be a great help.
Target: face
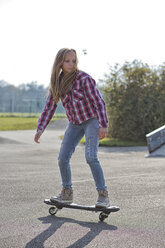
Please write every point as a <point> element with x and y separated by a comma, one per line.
<point>69,62</point>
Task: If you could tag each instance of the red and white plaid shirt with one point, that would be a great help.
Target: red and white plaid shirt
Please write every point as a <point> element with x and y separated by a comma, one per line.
<point>82,103</point>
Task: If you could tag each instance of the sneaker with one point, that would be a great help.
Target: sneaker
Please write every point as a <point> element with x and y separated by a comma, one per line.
<point>103,199</point>
<point>66,196</point>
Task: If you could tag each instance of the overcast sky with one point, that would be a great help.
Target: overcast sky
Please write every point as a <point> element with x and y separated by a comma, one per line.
<point>112,31</point>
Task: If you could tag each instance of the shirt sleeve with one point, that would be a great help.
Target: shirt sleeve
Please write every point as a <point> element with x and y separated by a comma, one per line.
<point>96,99</point>
<point>47,114</point>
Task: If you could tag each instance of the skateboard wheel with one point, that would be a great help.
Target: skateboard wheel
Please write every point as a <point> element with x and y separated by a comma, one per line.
<point>102,216</point>
<point>52,210</point>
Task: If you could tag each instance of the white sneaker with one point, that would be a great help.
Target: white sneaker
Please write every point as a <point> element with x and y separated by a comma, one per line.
<point>66,196</point>
<point>103,199</point>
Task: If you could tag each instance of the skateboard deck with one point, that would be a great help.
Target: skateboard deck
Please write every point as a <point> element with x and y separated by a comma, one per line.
<point>104,211</point>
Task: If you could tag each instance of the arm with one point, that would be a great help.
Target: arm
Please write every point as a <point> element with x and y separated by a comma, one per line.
<point>46,116</point>
<point>98,103</point>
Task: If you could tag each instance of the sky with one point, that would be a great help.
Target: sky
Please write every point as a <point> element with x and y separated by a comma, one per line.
<point>112,31</point>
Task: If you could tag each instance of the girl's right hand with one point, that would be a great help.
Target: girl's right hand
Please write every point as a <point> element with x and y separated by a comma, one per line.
<point>37,136</point>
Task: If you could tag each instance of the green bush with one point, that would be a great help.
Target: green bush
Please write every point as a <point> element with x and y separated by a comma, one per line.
<point>135,98</point>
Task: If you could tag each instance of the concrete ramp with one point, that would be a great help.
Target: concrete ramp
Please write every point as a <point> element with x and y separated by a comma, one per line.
<point>8,141</point>
<point>156,142</point>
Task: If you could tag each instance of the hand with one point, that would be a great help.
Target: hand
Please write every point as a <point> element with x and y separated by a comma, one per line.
<point>103,132</point>
<point>37,136</point>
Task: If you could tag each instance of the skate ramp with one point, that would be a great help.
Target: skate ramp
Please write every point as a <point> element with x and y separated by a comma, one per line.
<point>156,142</point>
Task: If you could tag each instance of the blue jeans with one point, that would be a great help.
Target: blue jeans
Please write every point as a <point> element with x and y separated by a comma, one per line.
<point>72,137</point>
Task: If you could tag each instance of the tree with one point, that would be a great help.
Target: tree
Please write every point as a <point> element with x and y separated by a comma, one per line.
<point>135,96</point>
<point>26,98</point>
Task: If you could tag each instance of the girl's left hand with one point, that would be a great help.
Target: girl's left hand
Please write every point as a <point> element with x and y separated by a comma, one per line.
<point>37,136</point>
<point>103,132</point>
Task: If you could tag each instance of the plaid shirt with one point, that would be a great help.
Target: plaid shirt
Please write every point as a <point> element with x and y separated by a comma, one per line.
<point>82,103</point>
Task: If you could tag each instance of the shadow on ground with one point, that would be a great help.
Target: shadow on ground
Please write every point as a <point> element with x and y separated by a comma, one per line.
<point>56,223</point>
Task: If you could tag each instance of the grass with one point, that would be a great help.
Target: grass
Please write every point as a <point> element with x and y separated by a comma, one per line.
<point>116,142</point>
<point>19,121</point>
<point>57,115</point>
<point>26,121</point>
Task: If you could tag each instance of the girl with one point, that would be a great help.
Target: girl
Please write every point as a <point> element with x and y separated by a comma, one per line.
<point>86,113</point>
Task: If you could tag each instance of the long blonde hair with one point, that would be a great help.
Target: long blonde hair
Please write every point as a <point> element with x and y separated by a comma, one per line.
<point>62,83</point>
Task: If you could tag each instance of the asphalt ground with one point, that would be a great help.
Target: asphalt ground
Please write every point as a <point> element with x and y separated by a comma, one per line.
<point>29,173</point>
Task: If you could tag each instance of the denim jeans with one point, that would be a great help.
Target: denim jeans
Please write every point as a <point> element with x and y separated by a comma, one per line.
<point>72,137</point>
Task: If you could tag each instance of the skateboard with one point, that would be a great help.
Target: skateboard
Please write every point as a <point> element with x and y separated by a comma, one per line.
<point>104,212</point>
